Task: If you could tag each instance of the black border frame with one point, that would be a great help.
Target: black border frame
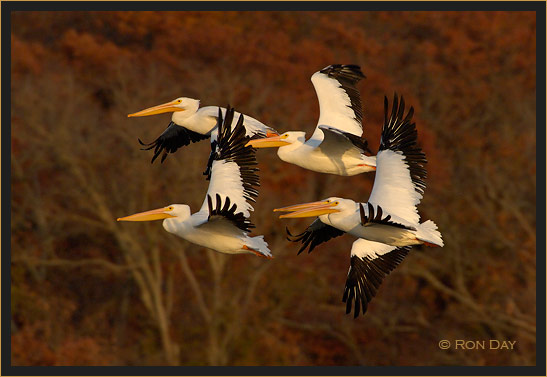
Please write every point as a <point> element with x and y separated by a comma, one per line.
<point>10,6</point>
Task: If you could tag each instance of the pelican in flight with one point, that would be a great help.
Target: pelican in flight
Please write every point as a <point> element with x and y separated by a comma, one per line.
<point>222,223</point>
<point>336,146</point>
<point>388,224</point>
<point>191,123</point>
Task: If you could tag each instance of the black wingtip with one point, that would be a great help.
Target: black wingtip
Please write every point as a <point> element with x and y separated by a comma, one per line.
<point>399,134</point>
<point>362,214</point>
<point>365,277</point>
<point>173,138</point>
<point>147,146</point>
<point>219,118</point>
<point>351,72</point>
<point>349,300</point>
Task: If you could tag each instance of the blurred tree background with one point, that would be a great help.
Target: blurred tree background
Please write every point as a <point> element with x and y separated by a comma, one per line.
<point>87,290</point>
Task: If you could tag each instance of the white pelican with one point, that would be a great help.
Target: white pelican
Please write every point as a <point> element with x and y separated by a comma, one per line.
<point>222,223</point>
<point>190,124</point>
<point>336,146</point>
<point>388,224</point>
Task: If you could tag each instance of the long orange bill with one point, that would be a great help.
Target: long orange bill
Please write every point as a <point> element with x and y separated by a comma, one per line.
<point>298,207</point>
<point>308,209</point>
<point>155,214</point>
<point>267,142</point>
<point>168,107</point>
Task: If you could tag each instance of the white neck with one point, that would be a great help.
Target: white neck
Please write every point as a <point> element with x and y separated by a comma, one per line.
<point>290,153</point>
<point>194,121</point>
<point>345,220</point>
<point>177,226</point>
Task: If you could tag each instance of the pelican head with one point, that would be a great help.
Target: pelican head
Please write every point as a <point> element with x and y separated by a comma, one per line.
<point>288,138</point>
<point>321,209</point>
<point>181,108</point>
<point>179,211</point>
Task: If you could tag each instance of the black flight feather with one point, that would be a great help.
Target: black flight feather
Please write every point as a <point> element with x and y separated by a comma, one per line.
<point>238,219</point>
<point>377,218</point>
<point>317,233</point>
<point>173,138</point>
<point>230,146</point>
<point>365,276</point>
<point>400,135</point>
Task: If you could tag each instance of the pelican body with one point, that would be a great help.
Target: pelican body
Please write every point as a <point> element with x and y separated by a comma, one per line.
<point>220,235</point>
<point>191,123</point>
<point>222,223</point>
<point>388,224</point>
<point>336,146</point>
<point>359,220</point>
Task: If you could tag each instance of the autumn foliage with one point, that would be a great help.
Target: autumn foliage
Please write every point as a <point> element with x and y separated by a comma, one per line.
<point>87,290</point>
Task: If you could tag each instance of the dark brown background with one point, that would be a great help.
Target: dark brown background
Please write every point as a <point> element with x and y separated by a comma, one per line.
<point>87,290</point>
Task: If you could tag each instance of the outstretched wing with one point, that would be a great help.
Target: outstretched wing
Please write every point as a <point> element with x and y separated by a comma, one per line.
<point>233,167</point>
<point>254,129</point>
<point>400,165</point>
<point>317,233</point>
<point>370,263</point>
<point>172,139</point>
<point>339,99</point>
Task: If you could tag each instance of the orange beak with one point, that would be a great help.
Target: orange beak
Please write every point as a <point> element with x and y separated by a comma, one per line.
<point>155,214</point>
<point>168,107</point>
<point>268,142</point>
<point>308,209</point>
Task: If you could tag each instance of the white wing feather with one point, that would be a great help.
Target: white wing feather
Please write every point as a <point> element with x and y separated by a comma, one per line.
<point>226,182</point>
<point>364,248</point>
<point>393,189</point>
<point>226,178</point>
<point>334,105</point>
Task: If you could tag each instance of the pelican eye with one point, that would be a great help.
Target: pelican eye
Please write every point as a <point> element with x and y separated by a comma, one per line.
<point>179,101</point>
<point>170,208</point>
<point>284,136</point>
<point>335,203</point>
